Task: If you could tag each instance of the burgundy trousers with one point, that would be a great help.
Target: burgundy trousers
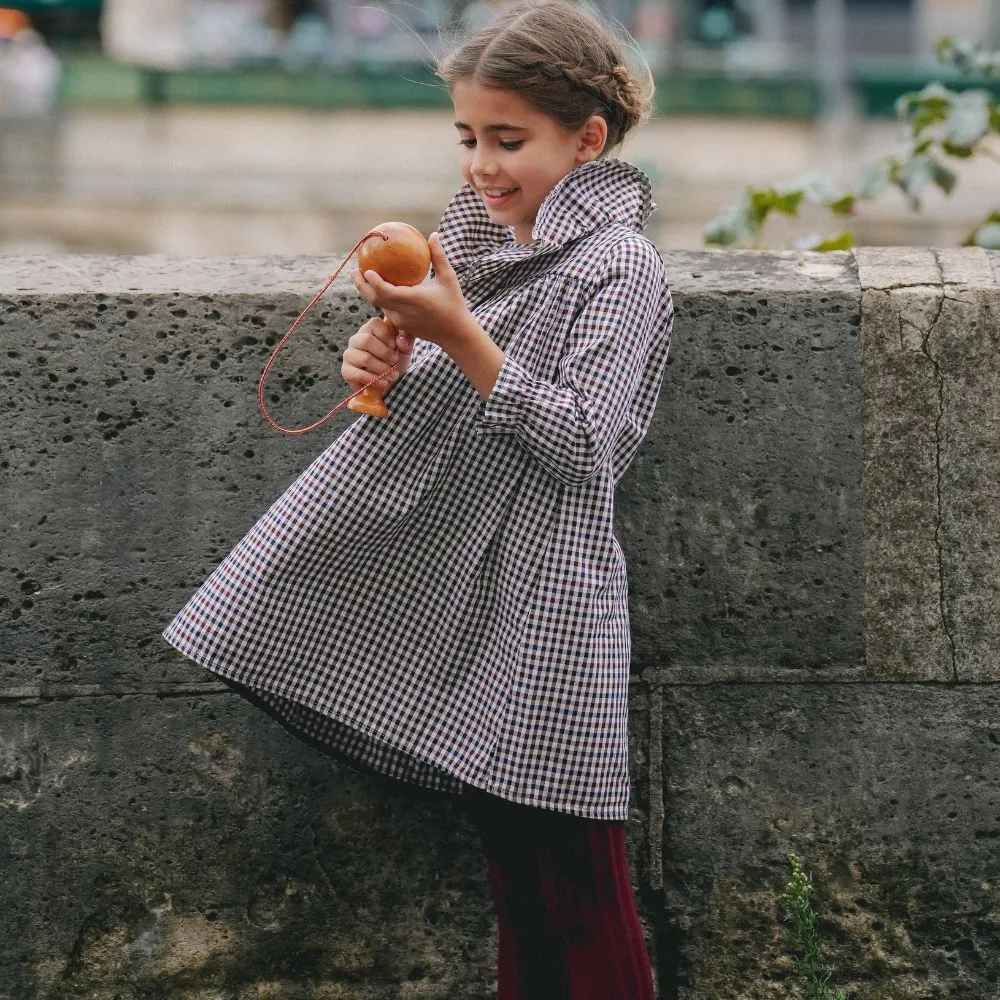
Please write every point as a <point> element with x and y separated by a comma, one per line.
<point>566,916</point>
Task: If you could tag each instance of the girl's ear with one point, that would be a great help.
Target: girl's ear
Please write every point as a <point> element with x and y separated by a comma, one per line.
<point>593,137</point>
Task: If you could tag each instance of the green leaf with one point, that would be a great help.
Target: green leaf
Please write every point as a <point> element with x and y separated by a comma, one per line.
<point>842,240</point>
<point>969,119</point>
<point>918,172</point>
<point>730,227</point>
<point>943,177</point>
<point>967,58</point>
<point>788,202</point>
<point>959,152</point>
<point>912,177</point>
<point>925,107</point>
<point>819,189</point>
<point>763,201</point>
<point>988,236</point>
<point>944,48</point>
<point>844,205</point>
<point>836,241</point>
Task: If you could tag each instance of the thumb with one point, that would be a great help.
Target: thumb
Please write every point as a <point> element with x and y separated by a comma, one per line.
<point>443,270</point>
<point>378,283</point>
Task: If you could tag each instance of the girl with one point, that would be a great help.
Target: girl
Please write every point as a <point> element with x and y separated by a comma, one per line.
<point>440,596</point>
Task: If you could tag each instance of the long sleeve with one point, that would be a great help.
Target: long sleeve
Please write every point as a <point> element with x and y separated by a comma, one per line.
<point>607,376</point>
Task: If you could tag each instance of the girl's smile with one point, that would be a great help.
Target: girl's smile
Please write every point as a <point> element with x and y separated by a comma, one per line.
<point>513,154</point>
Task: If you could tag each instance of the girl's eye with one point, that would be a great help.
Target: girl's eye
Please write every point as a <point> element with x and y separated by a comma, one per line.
<point>468,143</point>
<point>512,144</point>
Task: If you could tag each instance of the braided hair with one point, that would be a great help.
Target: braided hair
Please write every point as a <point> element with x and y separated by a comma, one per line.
<point>561,60</point>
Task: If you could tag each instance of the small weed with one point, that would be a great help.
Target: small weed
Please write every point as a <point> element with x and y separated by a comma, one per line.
<point>796,901</point>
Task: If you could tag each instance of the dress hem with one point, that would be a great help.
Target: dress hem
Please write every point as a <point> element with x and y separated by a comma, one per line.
<point>450,783</point>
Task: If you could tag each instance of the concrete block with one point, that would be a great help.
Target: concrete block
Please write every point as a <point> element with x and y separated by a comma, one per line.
<point>741,516</point>
<point>965,348</point>
<point>906,634</point>
<point>135,455</point>
<point>186,846</point>
<point>932,415</point>
<point>889,793</point>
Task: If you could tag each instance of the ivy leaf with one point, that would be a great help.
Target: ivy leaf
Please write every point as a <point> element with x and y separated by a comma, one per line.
<point>730,227</point>
<point>944,49</point>
<point>818,188</point>
<point>844,205</point>
<point>959,152</point>
<point>912,176</point>
<point>763,201</point>
<point>943,177</point>
<point>969,120</point>
<point>988,234</point>
<point>757,204</point>
<point>916,173</point>
<point>966,58</point>
<point>925,107</point>
<point>842,240</point>
<point>788,202</point>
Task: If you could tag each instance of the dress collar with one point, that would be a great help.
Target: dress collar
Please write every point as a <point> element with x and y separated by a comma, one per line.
<point>591,195</point>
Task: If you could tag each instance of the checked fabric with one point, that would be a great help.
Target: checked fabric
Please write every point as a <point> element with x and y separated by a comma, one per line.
<point>488,643</point>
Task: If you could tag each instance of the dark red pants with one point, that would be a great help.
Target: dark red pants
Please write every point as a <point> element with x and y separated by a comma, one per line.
<point>568,926</point>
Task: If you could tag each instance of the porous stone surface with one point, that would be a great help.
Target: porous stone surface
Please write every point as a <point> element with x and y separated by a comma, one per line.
<point>740,515</point>
<point>931,347</point>
<point>810,528</point>
<point>176,847</point>
<point>890,794</point>
<point>135,453</point>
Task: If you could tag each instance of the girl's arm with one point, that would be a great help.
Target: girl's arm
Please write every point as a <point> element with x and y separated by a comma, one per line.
<point>575,425</point>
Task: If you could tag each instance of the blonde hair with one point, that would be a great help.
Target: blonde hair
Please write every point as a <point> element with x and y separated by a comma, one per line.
<point>561,60</point>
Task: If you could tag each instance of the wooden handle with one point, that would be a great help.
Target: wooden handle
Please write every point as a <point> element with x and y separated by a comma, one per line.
<point>370,401</point>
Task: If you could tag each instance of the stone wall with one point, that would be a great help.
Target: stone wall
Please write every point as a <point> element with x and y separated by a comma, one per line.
<point>811,528</point>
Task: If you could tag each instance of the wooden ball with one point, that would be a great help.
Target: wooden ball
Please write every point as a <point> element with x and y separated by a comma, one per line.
<point>404,258</point>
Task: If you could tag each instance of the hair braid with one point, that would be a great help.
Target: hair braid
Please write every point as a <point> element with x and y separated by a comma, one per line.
<point>561,60</point>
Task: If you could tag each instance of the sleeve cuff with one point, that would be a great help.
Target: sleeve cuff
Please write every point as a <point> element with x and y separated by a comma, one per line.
<point>503,409</point>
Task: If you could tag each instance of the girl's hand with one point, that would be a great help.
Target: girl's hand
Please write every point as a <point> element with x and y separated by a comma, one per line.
<point>371,351</point>
<point>434,311</point>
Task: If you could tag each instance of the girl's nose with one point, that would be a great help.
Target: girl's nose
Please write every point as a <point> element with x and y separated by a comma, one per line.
<point>483,164</point>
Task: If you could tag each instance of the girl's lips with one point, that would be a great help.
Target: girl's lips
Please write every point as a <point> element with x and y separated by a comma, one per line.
<point>496,200</point>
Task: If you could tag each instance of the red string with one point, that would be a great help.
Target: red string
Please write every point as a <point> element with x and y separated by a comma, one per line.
<point>293,328</point>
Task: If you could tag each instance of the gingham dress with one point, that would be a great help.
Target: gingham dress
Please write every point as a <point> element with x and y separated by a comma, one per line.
<point>488,643</point>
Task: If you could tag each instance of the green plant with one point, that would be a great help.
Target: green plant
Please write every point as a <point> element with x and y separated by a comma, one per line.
<point>942,125</point>
<point>796,901</point>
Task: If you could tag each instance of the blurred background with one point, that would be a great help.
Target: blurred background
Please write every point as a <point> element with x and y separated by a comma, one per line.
<point>197,127</point>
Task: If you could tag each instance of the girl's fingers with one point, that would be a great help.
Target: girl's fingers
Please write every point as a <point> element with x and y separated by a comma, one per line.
<point>358,379</point>
<point>443,270</point>
<point>374,338</point>
<point>384,333</point>
<point>366,290</point>
<point>367,361</point>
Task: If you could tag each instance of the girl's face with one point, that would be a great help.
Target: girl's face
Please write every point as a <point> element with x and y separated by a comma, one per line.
<point>513,154</point>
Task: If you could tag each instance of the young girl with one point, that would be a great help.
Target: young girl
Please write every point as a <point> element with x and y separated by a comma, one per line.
<point>440,596</point>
